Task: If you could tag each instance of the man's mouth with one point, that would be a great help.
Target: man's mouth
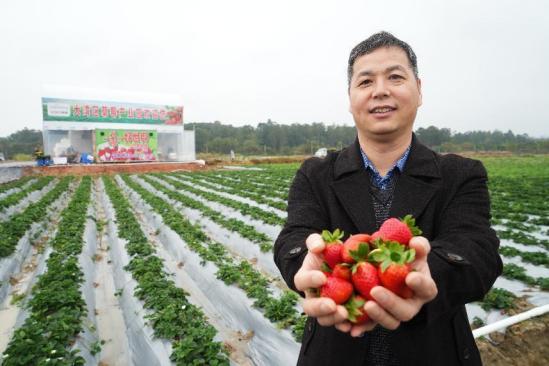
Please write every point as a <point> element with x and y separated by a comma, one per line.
<point>382,109</point>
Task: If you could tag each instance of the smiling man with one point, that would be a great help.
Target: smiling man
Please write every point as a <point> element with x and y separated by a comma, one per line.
<point>388,173</point>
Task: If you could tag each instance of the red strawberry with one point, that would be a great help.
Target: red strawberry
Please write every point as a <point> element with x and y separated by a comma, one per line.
<point>336,289</point>
<point>394,265</point>
<point>393,278</point>
<point>352,244</point>
<point>332,251</point>
<point>326,269</point>
<point>355,309</point>
<point>375,236</point>
<point>398,230</point>
<point>342,271</point>
<point>364,278</point>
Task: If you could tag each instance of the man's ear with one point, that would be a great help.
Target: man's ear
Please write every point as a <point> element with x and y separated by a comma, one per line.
<point>349,99</point>
<point>420,99</point>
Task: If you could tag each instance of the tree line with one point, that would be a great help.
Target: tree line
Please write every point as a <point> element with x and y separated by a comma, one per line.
<point>21,142</point>
<point>271,138</point>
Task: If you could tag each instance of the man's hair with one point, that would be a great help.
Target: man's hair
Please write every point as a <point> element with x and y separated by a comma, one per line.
<point>378,40</point>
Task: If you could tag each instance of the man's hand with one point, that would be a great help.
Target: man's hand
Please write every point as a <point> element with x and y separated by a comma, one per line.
<point>389,309</point>
<point>310,277</point>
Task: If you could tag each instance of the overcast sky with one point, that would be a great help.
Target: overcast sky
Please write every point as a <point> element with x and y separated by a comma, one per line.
<point>484,64</point>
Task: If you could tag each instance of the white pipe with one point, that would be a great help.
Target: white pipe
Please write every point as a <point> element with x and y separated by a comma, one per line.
<point>540,310</point>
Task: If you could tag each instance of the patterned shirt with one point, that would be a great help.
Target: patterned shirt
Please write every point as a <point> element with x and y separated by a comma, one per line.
<point>378,349</point>
<point>384,182</point>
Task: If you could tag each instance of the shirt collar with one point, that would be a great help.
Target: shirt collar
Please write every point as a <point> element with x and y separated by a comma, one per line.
<point>401,162</point>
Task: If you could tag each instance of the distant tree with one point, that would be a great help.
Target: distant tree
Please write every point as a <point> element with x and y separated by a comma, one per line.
<point>434,137</point>
<point>21,142</point>
<point>271,137</point>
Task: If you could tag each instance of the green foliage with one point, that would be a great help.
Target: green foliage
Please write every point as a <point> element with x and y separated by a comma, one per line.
<point>274,139</point>
<point>14,183</point>
<point>22,157</point>
<point>433,136</point>
<point>18,196</point>
<point>56,307</point>
<point>537,258</point>
<point>281,311</point>
<point>247,231</point>
<point>171,315</point>
<point>498,298</point>
<point>270,137</point>
<point>17,298</point>
<point>244,208</point>
<point>21,142</point>
<point>512,271</point>
<point>519,187</point>
<point>13,229</point>
<point>239,188</point>
<point>95,347</point>
<point>299,328</point>
<point>477,322</point>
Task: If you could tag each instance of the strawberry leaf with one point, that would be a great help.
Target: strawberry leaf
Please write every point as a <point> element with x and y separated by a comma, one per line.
<point>377,242</point>
<point>396,257</point>
<point>361,253</point>
<point>334,237</point>
<point>395,246</point>
<point>326,236</point>
<point>411,223</point>
<point>353,308</point>
<point>410,255</point>
<point>385,264</point>
<point>324,267</point>
<point>377,255</point>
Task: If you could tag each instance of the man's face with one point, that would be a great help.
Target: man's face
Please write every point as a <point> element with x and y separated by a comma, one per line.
<point>384,94</point>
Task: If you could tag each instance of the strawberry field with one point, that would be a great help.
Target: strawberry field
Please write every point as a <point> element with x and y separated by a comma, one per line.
<point>177,268</point>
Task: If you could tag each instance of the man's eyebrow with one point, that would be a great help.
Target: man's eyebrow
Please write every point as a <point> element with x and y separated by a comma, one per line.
<point>393,68</point>
<point>387,70</point>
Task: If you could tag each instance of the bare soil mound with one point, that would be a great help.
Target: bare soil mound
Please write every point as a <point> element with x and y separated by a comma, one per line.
<point>523,344</point>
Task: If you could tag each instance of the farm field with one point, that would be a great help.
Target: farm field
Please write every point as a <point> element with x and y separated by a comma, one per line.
<point>177,268</point>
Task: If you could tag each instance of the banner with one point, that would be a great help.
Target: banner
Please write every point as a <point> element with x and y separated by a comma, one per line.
<point>125,145</point>
<point>68,110</point>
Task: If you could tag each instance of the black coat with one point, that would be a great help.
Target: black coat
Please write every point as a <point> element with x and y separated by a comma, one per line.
<point>448,196</point>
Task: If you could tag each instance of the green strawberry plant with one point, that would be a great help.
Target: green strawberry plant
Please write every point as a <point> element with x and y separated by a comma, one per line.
<point>56,306</point>
<point>171,315</point>
<point>248,279</point>
<point>14,183</point>
<point>247,231</point>
<point>14,198</point>
<point>244,208</point>
<point>13,229</point>
<point>236,188</point>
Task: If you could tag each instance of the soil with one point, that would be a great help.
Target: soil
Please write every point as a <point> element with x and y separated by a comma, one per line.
<point>116,168</point>
<point>523,344</point>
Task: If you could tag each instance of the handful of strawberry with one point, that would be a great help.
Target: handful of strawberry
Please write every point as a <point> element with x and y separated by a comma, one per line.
<point>364,261</point>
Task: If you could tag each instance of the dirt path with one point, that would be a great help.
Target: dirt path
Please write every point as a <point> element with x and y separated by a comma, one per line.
<point>111,327</point>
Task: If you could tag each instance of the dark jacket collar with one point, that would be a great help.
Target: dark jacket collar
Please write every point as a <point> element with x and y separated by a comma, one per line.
<point>421,161</point>
<point>412,192</point>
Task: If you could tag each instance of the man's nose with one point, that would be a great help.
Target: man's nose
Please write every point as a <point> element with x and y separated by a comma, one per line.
<point>380,89</point>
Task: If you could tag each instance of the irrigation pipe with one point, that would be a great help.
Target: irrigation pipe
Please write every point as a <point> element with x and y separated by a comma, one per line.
<point>540,310</point>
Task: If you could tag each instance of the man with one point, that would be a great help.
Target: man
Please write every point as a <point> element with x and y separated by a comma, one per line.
<point>388,173</point>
